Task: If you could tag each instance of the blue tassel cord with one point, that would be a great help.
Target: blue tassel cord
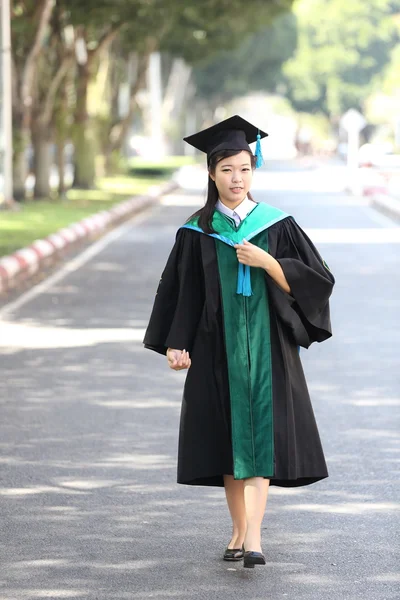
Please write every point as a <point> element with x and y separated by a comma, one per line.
<point>258,154</point>
<point>247,291</point>
<point>244,281</point>
<point>240,280</point>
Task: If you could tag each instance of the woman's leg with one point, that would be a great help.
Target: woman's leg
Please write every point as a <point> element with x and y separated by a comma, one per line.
<point>234,491</point>
<point>255,499</point>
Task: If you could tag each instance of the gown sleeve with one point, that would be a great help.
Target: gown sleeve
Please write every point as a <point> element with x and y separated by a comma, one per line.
<point>179,299</point>
<point>306,309</point>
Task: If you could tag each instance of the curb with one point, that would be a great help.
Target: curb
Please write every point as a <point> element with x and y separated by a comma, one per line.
<point>382,201</point>
<point>386,204</point>
<point>375,185</point>
<point>22,264</point>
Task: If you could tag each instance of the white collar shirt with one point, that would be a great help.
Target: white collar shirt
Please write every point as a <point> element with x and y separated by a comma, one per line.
<point>240,212</point>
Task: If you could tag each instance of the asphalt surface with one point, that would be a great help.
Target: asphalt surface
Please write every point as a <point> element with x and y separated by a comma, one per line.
<point>89,507</point>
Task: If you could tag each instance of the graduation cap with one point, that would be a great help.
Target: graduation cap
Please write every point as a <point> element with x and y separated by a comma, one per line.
<point>234,133</point>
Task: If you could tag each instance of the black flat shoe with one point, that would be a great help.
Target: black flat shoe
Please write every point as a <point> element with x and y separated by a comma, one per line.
<point>253,558</point>
<point>234,554</point>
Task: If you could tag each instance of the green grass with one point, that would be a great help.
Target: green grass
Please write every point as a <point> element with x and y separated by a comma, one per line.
<point>165,166</point>
<point>39,218</point>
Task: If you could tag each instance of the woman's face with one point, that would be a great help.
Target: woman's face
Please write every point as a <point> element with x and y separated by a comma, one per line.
<point>233,176</point>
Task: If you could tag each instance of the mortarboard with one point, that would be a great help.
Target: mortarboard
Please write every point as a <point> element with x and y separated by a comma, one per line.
<point>234,133</point>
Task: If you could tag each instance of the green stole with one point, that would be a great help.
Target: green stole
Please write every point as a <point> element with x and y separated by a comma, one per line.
<point>247,341</point>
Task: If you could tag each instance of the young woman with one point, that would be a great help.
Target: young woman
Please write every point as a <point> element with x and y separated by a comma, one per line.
<point>242,290</point>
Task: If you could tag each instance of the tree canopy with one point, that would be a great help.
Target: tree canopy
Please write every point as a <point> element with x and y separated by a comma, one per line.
<point>256,65</point>
<point>60,47</point>
<point>342,46</point>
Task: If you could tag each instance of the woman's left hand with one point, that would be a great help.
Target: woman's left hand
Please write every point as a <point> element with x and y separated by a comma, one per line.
<point>249,254</point>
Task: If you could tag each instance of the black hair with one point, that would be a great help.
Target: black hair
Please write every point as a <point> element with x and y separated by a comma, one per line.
<point>205,214</point>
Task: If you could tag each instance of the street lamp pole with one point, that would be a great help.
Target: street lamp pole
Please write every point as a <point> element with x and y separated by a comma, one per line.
<point>6,147</point>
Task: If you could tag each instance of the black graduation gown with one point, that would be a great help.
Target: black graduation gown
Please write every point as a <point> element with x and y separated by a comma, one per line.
<point>187,314</point>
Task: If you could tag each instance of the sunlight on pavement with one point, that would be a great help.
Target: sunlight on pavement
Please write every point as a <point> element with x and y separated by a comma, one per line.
<point>87,484</point>
<point>366,434</point>
<point>125,566</point>
<point>137,461</point>
<point>354,236</point>
<point>49,594</point>
<point>43,562</point>
<point>375,402</point>
<point>124,404</point>
<point>18,336</point>
<point>312,579</point>
<point>385,577</point>
<point>316,180</point>
<point>35,490</point>
<point>350,508</point>
<point>159,594</point>
<point>182,200</point>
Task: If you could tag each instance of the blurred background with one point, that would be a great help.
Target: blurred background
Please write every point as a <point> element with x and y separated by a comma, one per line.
<point>96,96</point>
<point>110,87</point>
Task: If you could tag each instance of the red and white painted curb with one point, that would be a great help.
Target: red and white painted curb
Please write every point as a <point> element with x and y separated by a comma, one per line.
<point>376,184</point>
<point>25,262</point>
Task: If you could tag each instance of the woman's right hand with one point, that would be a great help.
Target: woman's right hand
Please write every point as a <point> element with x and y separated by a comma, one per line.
<point>178,359</point>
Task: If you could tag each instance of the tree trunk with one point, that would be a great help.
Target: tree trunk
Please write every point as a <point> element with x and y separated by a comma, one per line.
<point>20,173</point>
<point>84,134</point>
<point>84,155</point>
<point>42,160</point>
<point>23,86</point>
<point>20,161</point>
<point>108,166</point>
<point>61,132</point>
<point>61,167</point>
<point>176,90</point>
<point>120,129</point>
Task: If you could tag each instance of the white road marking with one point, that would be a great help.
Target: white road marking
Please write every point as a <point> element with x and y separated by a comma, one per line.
<point>76,263</point>
<point>367,235</point>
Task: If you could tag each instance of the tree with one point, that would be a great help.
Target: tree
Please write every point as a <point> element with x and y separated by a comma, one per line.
<point>186,30</point>
<point>342,46</point>
<point>30,22</point>
<point>256,65</point>
<point>54,65</point>
<point>96,25</point>
<point>132,73</point>
<point>58,48</point>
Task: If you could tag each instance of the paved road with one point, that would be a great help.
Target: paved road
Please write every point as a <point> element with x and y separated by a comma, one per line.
<point>89,420</point>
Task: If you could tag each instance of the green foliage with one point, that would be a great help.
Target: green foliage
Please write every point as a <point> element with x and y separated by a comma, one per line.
<point>382,107</point>
<point>195,31</point>
<point>39,219</point>
<point>342,46</point>
<point>205,27</point>
<point>141,167</point>
<point>254,66</point>
<point>24,19</point>
<point>191,30</point>
<point>391,75</point>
